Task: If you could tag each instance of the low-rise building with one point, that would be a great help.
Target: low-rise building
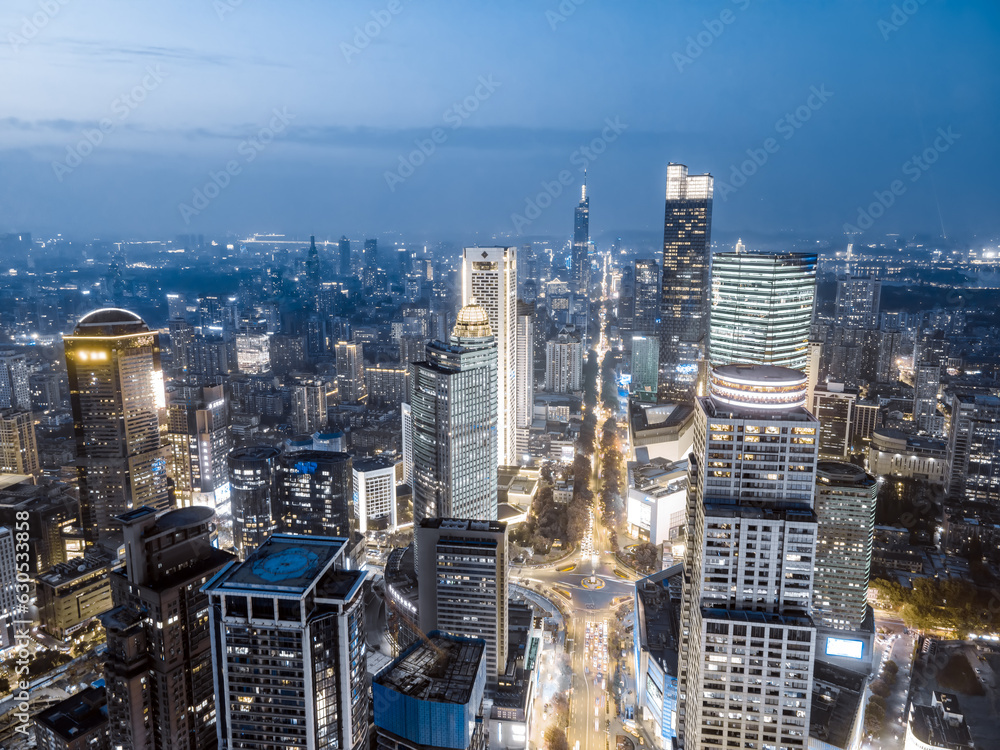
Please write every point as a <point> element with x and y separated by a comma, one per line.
<point>78,723</point>
<point>836,718</point>
<point>895,453</point>
<point>660,431</point>
<point>657,499</point>
<point>939,726</point>
<point>73,593</point>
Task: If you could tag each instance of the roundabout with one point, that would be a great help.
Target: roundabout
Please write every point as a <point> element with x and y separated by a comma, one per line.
<point>594,584</point>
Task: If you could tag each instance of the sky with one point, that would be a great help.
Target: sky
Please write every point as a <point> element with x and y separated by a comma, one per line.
<point>155,118</point>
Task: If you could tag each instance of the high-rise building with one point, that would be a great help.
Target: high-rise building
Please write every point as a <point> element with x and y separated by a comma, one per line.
<point>858,301</point>
<point>834,407</point>
<point>158,669</point>
<point>15,391</point>
<point>386,384</point>
<point>580,261</point>
<point>253,352</point>
<point>351,372</point>
<point>344,256</point>
<point>564,363</point>
<point>974,447</point>
<point>749,562</point>
<point>253,480</point>
<point>406,416</point>
<point>645,349</point>
<point>927,382</point>
<point>454,425</point>
<point>200,439</point>
<point>845,512</point>
<point>315,493</point>
<point>18,444</point>
<point>761,308</point>
<point>78,723</point>
<point>462,579</point>
<point>292,607</point>
<point>687,236</point>
<point>371,263</point>
<point>431,697</point>
<point>308,407</point>
<point>116,392</point>
<point>646,297</point>
<point>525,380</point>
<point>313,267</point>
<point>11,609</point>
<point>489,279</point>
<point>374,493</point>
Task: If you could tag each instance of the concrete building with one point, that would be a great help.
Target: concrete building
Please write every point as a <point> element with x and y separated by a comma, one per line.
<point>645,352</point>
<point>18,445</point>
<point>564,363</point>
<point>899,454</point>
<point>489,279</point>
<point>78,723</point>
<point>15,390</point>
<point>525,381</point>
<point>374,494</point>
<point>308,407</point>
<point>857,303</point>
<point>656,508</point>
<point>749,561</point>
<point>656,646</point>
<point>939,726</point>
<point>660,431</point>
<point>351,385</point>
<point>11,609</point>
<point>974,447</point>
<point>116,392</point>
<point>431,696</point>
<point>158,668</point>
<point>461,572</point>
<point>834,407</point>
<point>314,493</point>
<point>291,597</point>
<point>845,511</point>
<point>71,594</point>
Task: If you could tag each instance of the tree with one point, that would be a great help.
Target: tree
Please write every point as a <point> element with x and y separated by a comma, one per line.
<point>560,710</point>
<point>874,717</point>
<point>880,688</point>
<point>646,556</point>
<point>555,739</point>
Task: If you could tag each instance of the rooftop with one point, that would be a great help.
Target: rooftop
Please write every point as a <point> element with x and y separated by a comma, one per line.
<point>77,715</point>
<point>462,524</point>
<point>440,669</point>
<point>837,693</point>
<point>284,564</point>
<point>658,615</point>
<point>929,725</point>
<point>110,321</point>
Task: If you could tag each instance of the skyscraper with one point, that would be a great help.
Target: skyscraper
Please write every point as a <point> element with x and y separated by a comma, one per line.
<point>489,279</point>
<point>687,230</point>
<point>927,382</point>
<point>454,427</point>
<point>580,261</point>
<point>288,644</point>
<point>371,263</point>
<point>10,608</point>
<point>974,447</point>
<point>351,373</point>
<point>374,494</point>
<point>462,580</point>
<point>525,380</point>
<point>646,300</point>
<point>253,479</point>
<point>845,512</point>
<point>159,661</point>
<point>315,493</point>
<point>564,363</point>
<point>645,351</point>
<point>200,440</point>
<point>18,444</point>
<point>858,302</point>
<point>308,406</point>
<point>749,562</point>
<point>344,256</point>
<point>313,268</point>
<point>762,308</point>
<point>116,392</point>
<point>15,392</point>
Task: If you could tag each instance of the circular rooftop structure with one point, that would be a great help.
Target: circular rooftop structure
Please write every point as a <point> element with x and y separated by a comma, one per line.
<point>473,322</point>
<point>110,321</point>
<point>758,387</point>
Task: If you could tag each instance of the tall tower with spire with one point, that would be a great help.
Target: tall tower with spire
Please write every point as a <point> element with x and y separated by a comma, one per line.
<point>581,240</point>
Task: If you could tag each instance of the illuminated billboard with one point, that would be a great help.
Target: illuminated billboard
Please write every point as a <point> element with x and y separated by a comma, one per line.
<point>851,649</point>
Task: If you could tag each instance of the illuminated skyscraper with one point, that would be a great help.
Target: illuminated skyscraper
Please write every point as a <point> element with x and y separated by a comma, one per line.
<point>646,300</point>
<point>351,384</point>
<point>371,263</point>
<point>749,562</point>
<point>18,445</point>
<point>761,308</point>
<point>315,493</point>
<point>525,381</point>
<point>116,392</point>
<point>344,256</point>
<point>253,478</point>
<point>564,363</point>
<point>858,302</point>
<point>454,432</point>
<point>580,261</point>
<point>289,647</point>
<point>687,230</point>
<point>15,392</point>
<point>489,279</point>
